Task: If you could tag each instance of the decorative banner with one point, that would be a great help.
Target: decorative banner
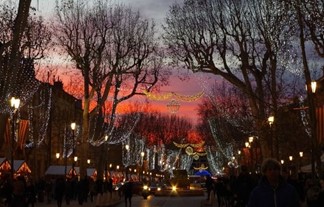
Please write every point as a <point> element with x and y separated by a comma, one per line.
<point>170,95</point>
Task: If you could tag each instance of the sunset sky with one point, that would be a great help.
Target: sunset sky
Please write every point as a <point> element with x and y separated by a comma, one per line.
<point>156,10</point>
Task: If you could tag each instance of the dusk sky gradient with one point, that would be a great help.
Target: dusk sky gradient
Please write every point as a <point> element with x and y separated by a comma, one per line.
<point>156,10</point>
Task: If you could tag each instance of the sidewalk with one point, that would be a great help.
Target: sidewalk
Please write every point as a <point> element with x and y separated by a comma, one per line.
<point>103,200</point>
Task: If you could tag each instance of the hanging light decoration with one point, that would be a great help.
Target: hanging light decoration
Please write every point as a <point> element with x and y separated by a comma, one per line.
<point>173,106</point>
<point>196,157</point>
<point>189,150</point>
<point>166,96</point>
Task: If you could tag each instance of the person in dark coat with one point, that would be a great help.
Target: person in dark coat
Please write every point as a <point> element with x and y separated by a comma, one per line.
<point>128,193</point>
<point>59,191</point>
<point>19,192</point>
<point>273,190</point>
<point>110,186</point>
<point>209,183</point>
<point>30,193</point>
<point>243,186</point>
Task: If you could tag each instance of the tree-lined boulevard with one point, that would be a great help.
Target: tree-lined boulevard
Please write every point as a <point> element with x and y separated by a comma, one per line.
<point>78,111</point>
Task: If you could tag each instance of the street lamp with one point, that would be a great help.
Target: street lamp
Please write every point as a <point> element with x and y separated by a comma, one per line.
<point>312,113</point>
<point>14,103</point>
<point>57,155</point>
<point>106,175</point>
<point>301,154</point>
<point>313,86</point>
<point>142,161</point>
<point>127,161</point>
<point>73,125</point>
<point>270,121</point>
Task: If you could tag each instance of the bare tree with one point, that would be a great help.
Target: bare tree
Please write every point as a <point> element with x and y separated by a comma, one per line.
<point>242,41</point>
<point>309,22</point>
<point>114,48</point>
<point>23,39</point>
<point>314,20</point>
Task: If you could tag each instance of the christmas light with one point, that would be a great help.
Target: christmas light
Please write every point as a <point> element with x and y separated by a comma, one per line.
<point>167,96</point>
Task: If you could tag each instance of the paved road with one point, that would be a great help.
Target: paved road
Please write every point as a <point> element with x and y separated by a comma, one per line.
<point>138,201</point>
<point>166,201</point>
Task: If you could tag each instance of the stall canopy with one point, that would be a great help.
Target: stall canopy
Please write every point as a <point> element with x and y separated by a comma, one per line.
<point>203,173</point>
<point>21,167</point>
<point>60,170</point>
<point>92,172</point>
<point>4,165</point>
<point>308,168</point>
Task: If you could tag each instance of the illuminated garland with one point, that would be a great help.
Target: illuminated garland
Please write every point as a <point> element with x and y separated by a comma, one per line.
<point>221,148</point>
<point>198,145</point>
<point>186,162</point>
<point>199,154</point>
<point>117,138</point>
<point>166,96</point>
<point>202,167</point>
<point>214,161</point>
<point>304,119</point>
<point>43,128</point>
<point>132,155</point>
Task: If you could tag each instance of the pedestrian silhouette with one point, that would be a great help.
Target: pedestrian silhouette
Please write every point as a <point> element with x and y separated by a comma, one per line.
<point>128,193</point>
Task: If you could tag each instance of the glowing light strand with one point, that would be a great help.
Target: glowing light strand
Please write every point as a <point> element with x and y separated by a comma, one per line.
<point>222,149</point>
<point>166,96</point>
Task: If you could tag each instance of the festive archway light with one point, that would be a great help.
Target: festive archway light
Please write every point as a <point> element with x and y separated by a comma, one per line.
<point>200,144</point>
<point>201,167</point>
<point>166,96</point>
<point>196,157</point>
<point>173,106</point>
<point>189,150</point>
<point>200,153</point>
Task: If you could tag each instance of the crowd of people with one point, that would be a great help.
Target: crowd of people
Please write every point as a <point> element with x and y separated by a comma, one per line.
<point>274,187</point>
<point>24,192</point>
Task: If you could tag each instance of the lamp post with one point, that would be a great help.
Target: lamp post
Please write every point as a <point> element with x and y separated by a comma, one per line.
<point>270,121</point>
<point>73,125</point>
<point>127,161</point>
<point>291,165</point>
<point>312,112</point>
<point>106,173</point>
<point>142,162</point>
<point>57,155</point>
<point>301,154</point>
<point>14,103</point>
<point>251,150</point>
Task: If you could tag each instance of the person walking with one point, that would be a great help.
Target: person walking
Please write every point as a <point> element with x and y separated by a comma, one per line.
<point>19,192</point>
<point>59,191</point>
<point>273,190</point>
<point>243,186</point>
<point>128,193</point>
<point>209,184</point>
<point>30,193</point>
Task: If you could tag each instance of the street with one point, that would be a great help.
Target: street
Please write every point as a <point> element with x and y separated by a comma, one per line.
<point>165,201</point>
<point>138,201</point>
